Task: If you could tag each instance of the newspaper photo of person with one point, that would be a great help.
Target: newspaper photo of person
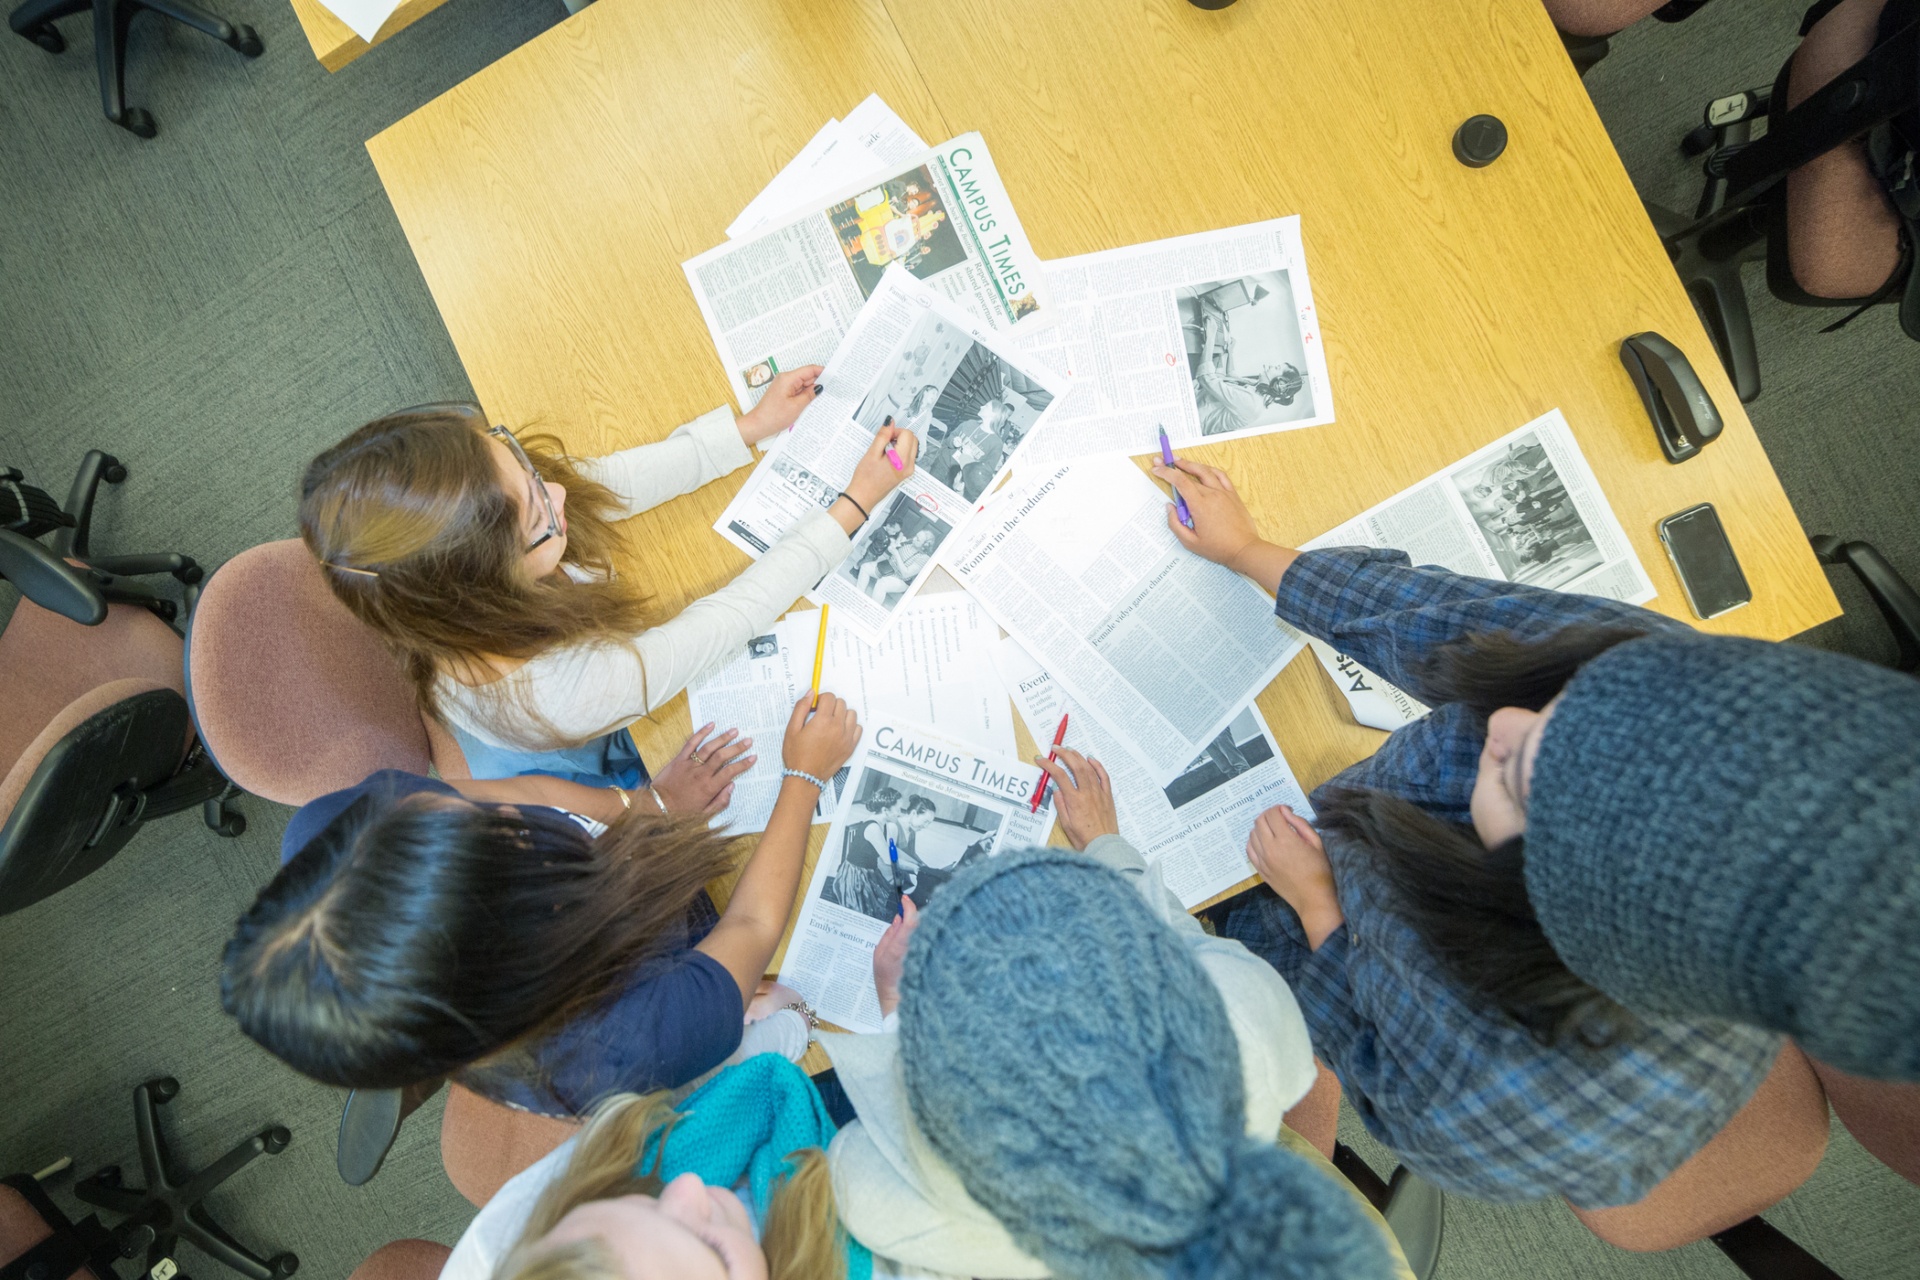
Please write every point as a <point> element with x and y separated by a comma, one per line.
<point>900,541</point>
<point>934,833</point>
<point>1244,352</point>
<point>761,647</point>
<point>902,220</point>
<point>1234,750</point>
<point>1530,522</point>
<point>865,880</point>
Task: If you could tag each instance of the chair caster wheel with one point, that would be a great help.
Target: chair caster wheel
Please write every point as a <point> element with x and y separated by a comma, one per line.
<point>138,123</point>
<point>275,1140</point>
<point>189,573</point>
<point>231,825</point>
<point>1698,142</point>
<point>115,472</point>
<point>107,1176</point>
<point>163,1090</point>
<point>283,1264</point>
<point>166,610</point>
<point>246,42</point>
<point>48,37</point>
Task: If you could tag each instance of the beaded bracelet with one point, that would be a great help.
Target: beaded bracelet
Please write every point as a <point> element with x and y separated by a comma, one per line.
<point>804,777</point>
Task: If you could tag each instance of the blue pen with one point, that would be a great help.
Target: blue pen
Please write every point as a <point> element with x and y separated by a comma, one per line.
<point>893,857</point>
<point>1179,503</point>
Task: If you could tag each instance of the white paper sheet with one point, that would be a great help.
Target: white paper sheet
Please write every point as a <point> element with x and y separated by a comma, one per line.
<point>1212,336</point>
<point>1160,646</point>
<point>970,398</point>
<point>1196,828</point>
<point>843,153</point>
<point>935,668</point>
<point>364,17</point>
<point>943,804</point>
<point>1525,508</point>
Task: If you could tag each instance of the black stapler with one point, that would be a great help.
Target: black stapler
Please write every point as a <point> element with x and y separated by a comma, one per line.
<point>1683,415</point>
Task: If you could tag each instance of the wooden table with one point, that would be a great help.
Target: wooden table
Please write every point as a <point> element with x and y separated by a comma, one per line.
<point>334,42</point>
<point>551,198</point>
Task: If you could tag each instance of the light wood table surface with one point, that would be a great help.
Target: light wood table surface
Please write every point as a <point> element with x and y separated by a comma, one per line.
<point>335,43</point>
<point>551,198</point>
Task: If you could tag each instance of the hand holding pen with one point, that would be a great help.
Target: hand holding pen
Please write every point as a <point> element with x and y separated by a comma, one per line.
<point>1083,797</point>
<point>1166,460</point>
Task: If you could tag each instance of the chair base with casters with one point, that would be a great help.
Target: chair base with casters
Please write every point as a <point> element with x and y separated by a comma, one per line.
<point>169,1208</point>
<point>34,21</point>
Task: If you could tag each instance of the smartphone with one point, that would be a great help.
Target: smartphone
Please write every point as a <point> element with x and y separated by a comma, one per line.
<point>1704,559</point>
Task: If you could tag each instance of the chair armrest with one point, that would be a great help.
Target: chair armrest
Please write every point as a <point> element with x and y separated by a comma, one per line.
<point>1896,599</point>
<point>49,581</point>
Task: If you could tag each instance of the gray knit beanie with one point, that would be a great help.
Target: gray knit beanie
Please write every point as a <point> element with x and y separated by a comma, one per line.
<point>1075,1066</point>
<point>1731,828</point>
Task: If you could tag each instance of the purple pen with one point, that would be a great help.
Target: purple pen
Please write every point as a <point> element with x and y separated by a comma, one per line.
<point>1179,503</point>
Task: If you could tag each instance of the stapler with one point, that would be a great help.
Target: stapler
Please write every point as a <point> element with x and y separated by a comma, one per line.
<point>1684,418</point>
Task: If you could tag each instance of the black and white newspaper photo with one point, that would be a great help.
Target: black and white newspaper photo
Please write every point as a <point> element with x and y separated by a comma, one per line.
<point>1163,648</point>
<point>916,810</point>
<point>1212,336</point>
<point>936,668</point>
<point>1525,508</point>
<point>783,296</point>
<point>970,398</point>
<point>1195,828</point>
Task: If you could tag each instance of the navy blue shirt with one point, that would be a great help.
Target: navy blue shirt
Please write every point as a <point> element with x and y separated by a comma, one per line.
<point>1465,1095</point>
<point>679,1017</point>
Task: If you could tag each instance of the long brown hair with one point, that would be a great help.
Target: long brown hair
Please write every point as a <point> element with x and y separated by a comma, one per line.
<point>801,1237</point>
<point>417,538</point>
<point>415,937</point>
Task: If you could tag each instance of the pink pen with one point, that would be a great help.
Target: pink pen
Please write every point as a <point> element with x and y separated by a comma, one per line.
<point>892,457</point>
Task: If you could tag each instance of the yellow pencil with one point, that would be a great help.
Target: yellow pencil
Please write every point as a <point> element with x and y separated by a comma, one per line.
<point>819,656</point>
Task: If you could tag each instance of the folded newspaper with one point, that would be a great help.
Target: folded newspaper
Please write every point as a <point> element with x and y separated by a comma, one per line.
<point>936,804</point>
<point>783,296</point>
<point>970,398</point>
<point>1212,336</point>
<point>1526,508</point>
<point>850,152</point>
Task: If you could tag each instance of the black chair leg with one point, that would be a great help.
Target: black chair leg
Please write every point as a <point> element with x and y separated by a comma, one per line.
<point>202,1231</point>
<point>242,39</point>
<point>95,468</point>
<point>1764,1252</point>
<point>34,21</point>
<point>111,18</point>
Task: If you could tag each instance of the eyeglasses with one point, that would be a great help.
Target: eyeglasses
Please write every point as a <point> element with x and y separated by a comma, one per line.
<point>539,486</point>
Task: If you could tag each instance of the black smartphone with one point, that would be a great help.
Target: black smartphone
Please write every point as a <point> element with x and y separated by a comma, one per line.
<point>1704,559</point>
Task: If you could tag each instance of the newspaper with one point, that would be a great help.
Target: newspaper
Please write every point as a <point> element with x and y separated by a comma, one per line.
<point>844,153</point>
<point>1160,646</point>
<point>943,805</point>
<point>1524,509</point>
<point>970,398</point>
<point>784,295</point>
<point>1212,336</point>
<point>1196,827</point>
<point>936,668</point>
<point>363,17</point>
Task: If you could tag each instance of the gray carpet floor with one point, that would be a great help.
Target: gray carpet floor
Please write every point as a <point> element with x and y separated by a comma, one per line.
<point>217,305</point>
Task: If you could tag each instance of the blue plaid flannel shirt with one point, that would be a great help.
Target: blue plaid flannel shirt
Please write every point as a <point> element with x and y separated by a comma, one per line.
<point>1465,1096</point>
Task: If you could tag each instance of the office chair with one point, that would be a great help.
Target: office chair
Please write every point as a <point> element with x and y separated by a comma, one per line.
<point>38,1240</point>
<point>1828,198</point>
<point>97,739</point>
<point>1584,25</point>
<point>296,698</point>
<point>1897,601</point>
<point>34,21</point>
<point>169,1208</point>
<point>403,1260</point>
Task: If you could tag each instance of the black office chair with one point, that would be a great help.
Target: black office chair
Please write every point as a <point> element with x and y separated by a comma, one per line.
<point>1585,25</point>
<point>1897,601</point>
<point>34,20</point>
<point>97,739</point>
<point>1857,209</point>
<point>171,1206</point>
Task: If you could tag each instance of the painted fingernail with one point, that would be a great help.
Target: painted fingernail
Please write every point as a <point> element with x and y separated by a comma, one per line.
<point>818,387</point>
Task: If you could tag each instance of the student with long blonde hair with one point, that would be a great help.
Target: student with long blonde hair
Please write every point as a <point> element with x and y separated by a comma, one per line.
<point>486,562</point>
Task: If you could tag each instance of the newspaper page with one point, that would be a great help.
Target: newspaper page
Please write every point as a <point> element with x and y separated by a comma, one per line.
<point>784,295</point>
<point>1212,336</point>
<point>970,398</point>
<point>1524,509</point>
<point>844,153</point>
<point>943,805</point>
<point>1195,827</point>
<point>1160,646</point>
<point>936,669</point>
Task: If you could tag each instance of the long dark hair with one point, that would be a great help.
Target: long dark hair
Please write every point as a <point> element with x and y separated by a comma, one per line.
<point>412,938</point>
<point>1468,903</point>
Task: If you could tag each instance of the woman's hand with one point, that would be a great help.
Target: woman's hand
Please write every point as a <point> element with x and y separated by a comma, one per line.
<point>874,477</point>
<point>820,741</point>
<point>1082,797</point>
<point>890,955</point>
<point>780,406</point>
<point>1223,529</point>
<point>1287,852</point>
<point>700,778</point>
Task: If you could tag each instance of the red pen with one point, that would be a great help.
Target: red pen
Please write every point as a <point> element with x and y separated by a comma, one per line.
<point>1059,736</point>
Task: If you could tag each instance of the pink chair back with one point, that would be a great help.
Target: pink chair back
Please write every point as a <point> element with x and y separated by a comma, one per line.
<point>293,695</point>
<point>482,1144</point>
<point>1316,1117</point>
<point>403,1260</point>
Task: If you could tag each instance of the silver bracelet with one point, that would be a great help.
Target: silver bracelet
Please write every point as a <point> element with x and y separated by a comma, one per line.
<point>802,1008</point>
<point>804,777</point>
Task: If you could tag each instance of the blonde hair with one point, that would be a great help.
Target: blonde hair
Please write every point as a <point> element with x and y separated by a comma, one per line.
<point>416,537</point>
<point>801,1237</point>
